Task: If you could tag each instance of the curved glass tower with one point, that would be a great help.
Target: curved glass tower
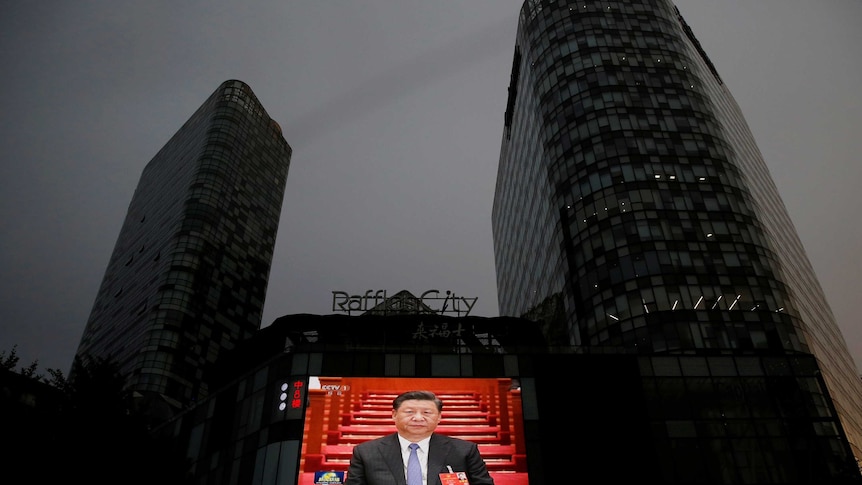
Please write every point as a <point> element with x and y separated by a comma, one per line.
<point>633,210</point>
<point>188,275</point>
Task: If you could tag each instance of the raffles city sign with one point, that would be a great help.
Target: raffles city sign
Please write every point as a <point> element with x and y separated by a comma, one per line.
<point>377,301</point>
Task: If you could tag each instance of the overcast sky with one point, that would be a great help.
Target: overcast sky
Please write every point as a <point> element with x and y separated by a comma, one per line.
<point>394,109</point>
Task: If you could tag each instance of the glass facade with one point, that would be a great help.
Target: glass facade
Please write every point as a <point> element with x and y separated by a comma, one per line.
<point>609,418</point>
<point>188,275</point>
<point>633,211</point>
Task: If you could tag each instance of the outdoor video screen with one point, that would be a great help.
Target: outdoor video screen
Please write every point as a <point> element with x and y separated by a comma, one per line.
<point>342,412</point>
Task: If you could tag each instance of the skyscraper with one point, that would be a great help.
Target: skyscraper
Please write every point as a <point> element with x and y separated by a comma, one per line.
<point>188,275</point>
<point>633,210</point>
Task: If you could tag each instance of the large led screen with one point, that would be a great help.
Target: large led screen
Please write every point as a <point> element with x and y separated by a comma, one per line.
<point>342,412</point>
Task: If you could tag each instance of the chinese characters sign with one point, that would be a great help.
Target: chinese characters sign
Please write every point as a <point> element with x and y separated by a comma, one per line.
<point>291,398</point>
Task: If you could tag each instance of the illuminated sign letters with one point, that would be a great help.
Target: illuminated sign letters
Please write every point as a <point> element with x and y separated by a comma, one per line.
<point>291,397</point>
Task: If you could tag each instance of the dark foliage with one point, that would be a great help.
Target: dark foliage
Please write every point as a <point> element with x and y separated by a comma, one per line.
<point>83,430</point>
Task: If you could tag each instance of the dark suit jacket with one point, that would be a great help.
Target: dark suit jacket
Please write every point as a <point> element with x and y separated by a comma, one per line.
<point>379,462</point>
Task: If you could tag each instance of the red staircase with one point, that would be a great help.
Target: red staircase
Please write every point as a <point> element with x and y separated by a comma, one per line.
<point>484,411</point>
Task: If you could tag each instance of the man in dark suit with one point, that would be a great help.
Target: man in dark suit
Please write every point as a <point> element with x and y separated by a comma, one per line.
<point>384,461</point>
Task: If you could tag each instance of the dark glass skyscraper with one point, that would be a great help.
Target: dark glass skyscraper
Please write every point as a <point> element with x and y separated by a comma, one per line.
<point>188,275</point>
<point>634,212</point>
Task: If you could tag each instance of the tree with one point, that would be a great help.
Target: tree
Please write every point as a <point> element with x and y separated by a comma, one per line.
<point>92,434</point>
<point>10,360</point>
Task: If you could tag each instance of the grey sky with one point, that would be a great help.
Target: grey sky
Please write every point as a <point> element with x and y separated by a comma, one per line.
<point>395,113</point>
